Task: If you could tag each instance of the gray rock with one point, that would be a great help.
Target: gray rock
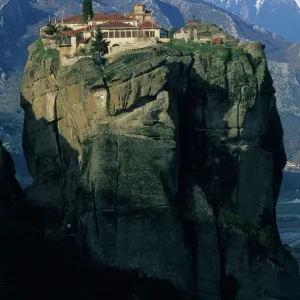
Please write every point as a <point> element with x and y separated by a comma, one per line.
<point>170,168</point>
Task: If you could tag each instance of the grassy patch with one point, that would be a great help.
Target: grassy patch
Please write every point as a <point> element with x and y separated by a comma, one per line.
<point>224,52</point>
<point>237,53</point>
<point>260,238</point>
<point>132,58</point>
<point>181,45</point>
<point>63,69</point>
<point>124,64</point>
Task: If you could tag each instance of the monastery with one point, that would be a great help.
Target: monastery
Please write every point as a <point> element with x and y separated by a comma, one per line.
<point>204,34</point>
<point>120,29</point>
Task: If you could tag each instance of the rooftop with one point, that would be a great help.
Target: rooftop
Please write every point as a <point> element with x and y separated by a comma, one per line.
<point>149,25</point>
<point>113,17</point>
<point>73,32</point>
<point>116,24</point>
<point>83,41</point>
<point>77,19</point>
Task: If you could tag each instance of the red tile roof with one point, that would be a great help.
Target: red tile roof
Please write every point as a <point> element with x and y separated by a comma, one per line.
<point>71,20</point>
<point>194,21</point>
<point>77,19</point>
<point>73,32</point>
<point>114,17</point>
<point>98,16</point>
<point>84,41</point>
<point>217,40</point>
<point>111,25</point>
<point>149,24</point>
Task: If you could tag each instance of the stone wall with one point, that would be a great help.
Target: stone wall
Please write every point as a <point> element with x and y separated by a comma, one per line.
<point>65,53</point>
<point>68,61</point>
<point>116,51</point>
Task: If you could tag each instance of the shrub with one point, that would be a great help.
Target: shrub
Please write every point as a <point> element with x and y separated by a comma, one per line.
<point>51,29</point>
<point>99,45</point>
<point>66,28</point>
<point>82,50</point>
<point>40,53</point>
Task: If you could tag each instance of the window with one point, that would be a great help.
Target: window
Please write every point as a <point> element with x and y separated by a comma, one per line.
<point>122,34</point>
<point>105,35</point>
<point>152,34</point>
<point>134,33</point>
<point>111,35</point>
<point>147,33</point>
<point>128,34</point>
<point>117,34</point>
<point>140,34</point>
<point>163,33</point>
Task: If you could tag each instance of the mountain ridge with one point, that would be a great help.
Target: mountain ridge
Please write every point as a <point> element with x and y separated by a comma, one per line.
<point>277,16</point>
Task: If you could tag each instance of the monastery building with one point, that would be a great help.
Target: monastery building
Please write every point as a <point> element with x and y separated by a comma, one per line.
<point>119,29</point>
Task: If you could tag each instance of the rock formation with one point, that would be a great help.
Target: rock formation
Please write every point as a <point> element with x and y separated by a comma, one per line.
<point>165,165</point>
<point>10,190</point>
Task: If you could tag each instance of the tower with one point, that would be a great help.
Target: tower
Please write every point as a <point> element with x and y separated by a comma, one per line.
<point>139,12</point>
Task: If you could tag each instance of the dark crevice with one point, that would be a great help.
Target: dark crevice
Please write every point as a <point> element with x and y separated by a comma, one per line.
<point>140,102</point>
<point>95,213</point>
<point>60,152</point>
<point>151,69</point>
<point>57,136</point>
<point>186,139</point>
<point>229,287</point>
<point>118,174</point>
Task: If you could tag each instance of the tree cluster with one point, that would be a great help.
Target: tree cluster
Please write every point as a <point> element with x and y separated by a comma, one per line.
<point>51,29</point>
<point>87,10</point>
<point>99,44</point>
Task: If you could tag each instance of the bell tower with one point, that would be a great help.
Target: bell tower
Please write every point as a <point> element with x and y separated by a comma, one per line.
<point>139,12</point>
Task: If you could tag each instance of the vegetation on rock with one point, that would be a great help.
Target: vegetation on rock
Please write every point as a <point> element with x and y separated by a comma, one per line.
<point>40,53</point>
<point>66,28</point>
<point>99,45</point>
<point>51,29</point>
<point>172,32</point>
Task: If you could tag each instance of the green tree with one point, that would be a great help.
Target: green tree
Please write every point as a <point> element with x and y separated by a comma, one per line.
<point>172,32</point>
<point>67,28</point>
<point>87,10</point>
<point>51,29</point>
<point>99,44</point>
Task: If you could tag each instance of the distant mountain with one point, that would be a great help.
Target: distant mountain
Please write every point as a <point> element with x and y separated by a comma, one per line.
<point>287,85</point>
<point>278,16</point>
<point>16,20</point>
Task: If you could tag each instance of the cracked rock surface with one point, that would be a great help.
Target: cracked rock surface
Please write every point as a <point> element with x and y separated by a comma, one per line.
<point>165,163</point>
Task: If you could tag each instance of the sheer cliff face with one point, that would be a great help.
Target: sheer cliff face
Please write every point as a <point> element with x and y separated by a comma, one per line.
<point>166,163</point>
<point>10,190</point>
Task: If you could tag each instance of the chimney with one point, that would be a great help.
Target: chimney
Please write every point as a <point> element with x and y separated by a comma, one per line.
<point>195,34</point>
<point>89,18</point>
<point>190,34</point>
<point>55,20</point>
